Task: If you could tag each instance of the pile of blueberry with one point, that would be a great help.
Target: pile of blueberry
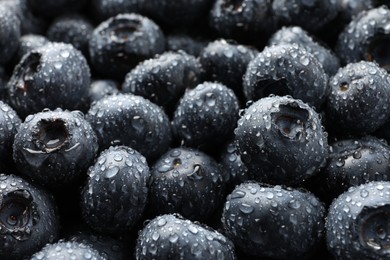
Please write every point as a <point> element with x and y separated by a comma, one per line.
<point>194,129</point>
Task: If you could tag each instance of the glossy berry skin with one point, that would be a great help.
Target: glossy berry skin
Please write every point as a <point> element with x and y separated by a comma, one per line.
<point>119,43</point>
<point>357,223</point>
<point>281,140</point>
<point>28,218</point>
<point>286,69</point>
<point>102,10</point>
<point>67,250</point>
<point>54,75</point>
<point>359,98</point>
<point>356,161</point>
<point>295,34</point>
<point>164,78</point>
<point>9,125</point>
<point>54,148</point>
<point>10,31</point>
<point>311,15</point>
<point>183,42</point>
<point>174,237</point>
<point>206,115</point>
<point>188,182</point>
<point>242,20</point>
<point>73,29</point>
<point>115,194</point>
<point>264,221</point>
<point>366,37</point>
<point>226,62</point>
<point>127,119</point>
<point>102,87</point>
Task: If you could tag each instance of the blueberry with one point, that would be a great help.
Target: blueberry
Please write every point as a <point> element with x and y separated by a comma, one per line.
<point>226,62</point>
<point>295,34</point>
<point>28,218</point>
<point>10,31</point>
<point>366,38</point>
<point>286,69</point>
<point>275,222</point>
<point>357,223</point>
<point>178,13</point>
<point>281,140</point>
<point>127,119</point>
<point>114,197</point>
<point>27,43</point>
<point>311,15</point>
<point>102,10</point>
<point>243,20</point>
<point>102,87</point>
<point>119,43</point>
<point>206,115</point>
<point>184,42</point>
<point>73,29</point>
<point>164,78</point>
<point>9,125</point>
<point>54,148</point>
<point>356,161</point>
<point>358,102</point>
<point>67,250</point>
<point>54,75</point>
<point>188,182</point>
<point>173,237</point>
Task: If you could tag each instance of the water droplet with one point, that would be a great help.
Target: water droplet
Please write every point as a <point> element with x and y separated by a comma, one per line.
<point>246,208</point>
<point>304,60</point>
<point>174,238</point>
<point>364,193</point>
<point>112,172</point>
<point>269,195</point>
<point>193,229</point>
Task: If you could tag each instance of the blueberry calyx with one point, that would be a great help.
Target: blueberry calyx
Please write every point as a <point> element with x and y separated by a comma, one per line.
<point>52,135</point>
<point>290,121</point>
<point>235,5</point>
<point>374,229</point>
<point>18,214</point>
<point>32,65</point>
<point>377,50</point>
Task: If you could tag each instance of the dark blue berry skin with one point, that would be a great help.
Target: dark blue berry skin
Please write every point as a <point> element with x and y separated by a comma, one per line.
<point>107,246</point>
<point>174,237</point>
<point>102,10</point>
<point>188,182</point>
<point>234,170</point>
<point>10,31</point>
<point>267,221</point>
<point>286,69</point>
<point>356,161</point>
<point>164,78</point>
<point>54,75</point>
<point>179,13</point>
<point>127,119</point>
<point>226,62</point>
<point>248,20</point>
<point>359,98</point>
<point>9,125</point>
<point>281,140</point>
<point>28,218</point>
<point>67,250</point>
<point>366,38</point>
<point>357,223</point>
<point>54,148</point>
<point>55,8</point>
<point>74,29</point>
<point>295,34</point>
<point>206,115</point>
<point>119,43</point>
<point>310,15</point>
<point>115,195</point>
<point>101,87</point>
<point>184,42</point>
<point>27,43</point>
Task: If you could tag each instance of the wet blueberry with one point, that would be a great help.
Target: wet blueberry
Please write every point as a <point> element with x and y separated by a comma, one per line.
<point>173,237</point>
<point>54,148</point>
<point>281,140</point>
<point>114,197</point>
<point>28,218</point>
